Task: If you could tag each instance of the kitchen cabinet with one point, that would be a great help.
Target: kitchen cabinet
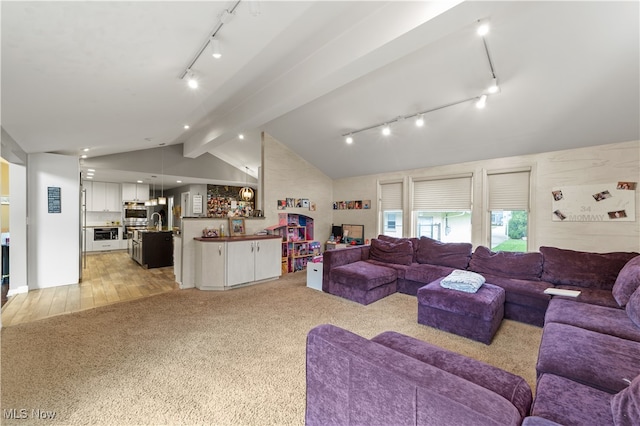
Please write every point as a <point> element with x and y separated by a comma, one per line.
<point>135,192</point>
<point>103,197</point>
<point>103,245</point>
<point>222,263</point>
<point>210,265</point>
<point>252,260</point>
<point>152,249</point>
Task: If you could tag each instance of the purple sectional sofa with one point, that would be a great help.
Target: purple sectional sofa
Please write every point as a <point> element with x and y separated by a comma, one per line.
<point>394,379</point>
<point>589,357</point>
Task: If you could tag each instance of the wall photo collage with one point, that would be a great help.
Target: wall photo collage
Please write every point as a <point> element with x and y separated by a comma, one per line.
<point>352,205</point>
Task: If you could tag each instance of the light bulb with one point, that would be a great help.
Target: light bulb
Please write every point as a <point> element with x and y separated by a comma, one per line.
<point>483,28</point>
<point>349,139</point>
<point>241,136</point>
<point>192,82</point>
<point>420,121</point>
<point>386,130</point>
<point>481,102</point>
<point>493,87</point>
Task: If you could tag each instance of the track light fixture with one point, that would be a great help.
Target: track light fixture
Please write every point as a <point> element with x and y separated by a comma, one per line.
<point>223,19</point>
<point>215,48</point>
<point>480,100</point>
<point>191,79</point>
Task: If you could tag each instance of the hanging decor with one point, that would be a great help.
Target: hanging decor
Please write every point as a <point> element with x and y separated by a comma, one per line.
<point>246,193</point>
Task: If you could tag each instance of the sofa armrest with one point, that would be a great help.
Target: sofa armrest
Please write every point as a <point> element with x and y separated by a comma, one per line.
<point>334,258</point>
<point>352,380</point>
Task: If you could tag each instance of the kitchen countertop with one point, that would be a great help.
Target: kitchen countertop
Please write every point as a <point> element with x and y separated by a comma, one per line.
<point>237,238</point>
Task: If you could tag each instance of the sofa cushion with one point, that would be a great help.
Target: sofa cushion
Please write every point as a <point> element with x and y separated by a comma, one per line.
<point>582,269</point>
<point>399,252</point>
<point>602,319</point>
<point>511,387</point>
<point>597,360</point>
<point>454,255</point>
<point>522,292</point>
<point>569,403</point>
<point>363,275</point>
<point>625,405</point>
<point>425,273</point>
<point>627,282</point>
<point>524,266</point>
<point>414,243</point>
<point>592,296</point>
<point>633,307</point>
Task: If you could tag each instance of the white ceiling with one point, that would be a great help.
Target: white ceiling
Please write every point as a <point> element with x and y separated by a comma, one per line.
<point>105,75</point>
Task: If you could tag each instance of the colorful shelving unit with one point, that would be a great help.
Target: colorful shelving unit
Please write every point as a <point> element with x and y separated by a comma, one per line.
<point>298,247</point>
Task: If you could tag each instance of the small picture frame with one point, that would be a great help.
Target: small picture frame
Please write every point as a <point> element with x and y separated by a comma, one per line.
<point>236,226</point>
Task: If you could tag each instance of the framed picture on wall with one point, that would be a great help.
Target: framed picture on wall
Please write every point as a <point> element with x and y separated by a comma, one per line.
<point>236,226</point>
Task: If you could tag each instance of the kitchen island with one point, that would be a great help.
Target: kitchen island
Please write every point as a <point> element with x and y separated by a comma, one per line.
<point>151,248</point>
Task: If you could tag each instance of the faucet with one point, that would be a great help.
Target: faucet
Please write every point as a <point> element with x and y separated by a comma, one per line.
<point>159,227</point>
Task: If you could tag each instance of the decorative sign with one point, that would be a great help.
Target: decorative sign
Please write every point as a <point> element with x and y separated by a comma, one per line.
<point>595,203</point>
<point>53,195</point>
<point>197,204</point>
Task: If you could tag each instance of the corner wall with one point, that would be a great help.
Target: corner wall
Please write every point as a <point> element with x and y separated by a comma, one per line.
<point>53,238</point>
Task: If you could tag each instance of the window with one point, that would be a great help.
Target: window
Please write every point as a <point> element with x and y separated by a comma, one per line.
<point>391,209</point>
<point>442,209</point>
<point>509,210</point>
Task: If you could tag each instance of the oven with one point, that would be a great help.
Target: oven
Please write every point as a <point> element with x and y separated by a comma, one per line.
<point>105,234</point>
<point>135,216</point>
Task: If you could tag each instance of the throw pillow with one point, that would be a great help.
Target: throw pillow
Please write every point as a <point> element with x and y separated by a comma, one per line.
<point>400,252</point>
<point>627,282</point>
<point>414,243</point>
<point>466,281</point>
<point>625,405</point>
<point>434,252</point>
<point>633,307</point>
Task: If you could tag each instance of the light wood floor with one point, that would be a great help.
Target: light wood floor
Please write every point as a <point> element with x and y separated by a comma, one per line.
<point>109,277</point>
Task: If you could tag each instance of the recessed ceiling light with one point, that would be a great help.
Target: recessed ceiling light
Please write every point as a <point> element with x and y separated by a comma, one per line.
<point>90,174</point>
<point>186,127</point>
<point>86,150</point>
<point>178,181</point>
<point>89,177</point>
<point>139,181</point>
<point>240,136</point>
<point>83,156</point>
<point>91,170</point>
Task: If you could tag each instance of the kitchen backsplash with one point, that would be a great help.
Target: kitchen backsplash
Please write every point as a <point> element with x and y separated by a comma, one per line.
<point>103,218</point>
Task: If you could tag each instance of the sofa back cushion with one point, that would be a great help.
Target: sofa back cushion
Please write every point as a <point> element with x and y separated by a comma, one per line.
<point>625,405</point>
<point>627,282</point>
<point>633,307</point>
<point>523,266</point>
<point>400,252</point>
<point>414,243</point>
<point>433,252</point>
<point>582,269</point>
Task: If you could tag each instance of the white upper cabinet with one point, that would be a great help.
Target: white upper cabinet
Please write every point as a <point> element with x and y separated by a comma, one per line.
<point>103,197</point>
<point>135,192</point>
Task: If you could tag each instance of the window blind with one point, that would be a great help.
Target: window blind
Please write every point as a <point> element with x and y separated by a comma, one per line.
<point>509,191</point>
<point>442,194</point>
<point>391,194</point>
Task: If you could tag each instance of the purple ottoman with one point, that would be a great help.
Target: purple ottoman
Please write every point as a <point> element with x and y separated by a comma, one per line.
<point>476,316</point>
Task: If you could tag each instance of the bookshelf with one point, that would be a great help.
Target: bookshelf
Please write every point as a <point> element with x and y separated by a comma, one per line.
<point>298,247</point>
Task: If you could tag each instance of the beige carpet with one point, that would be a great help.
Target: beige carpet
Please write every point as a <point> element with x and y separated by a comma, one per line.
<point>218,358</point>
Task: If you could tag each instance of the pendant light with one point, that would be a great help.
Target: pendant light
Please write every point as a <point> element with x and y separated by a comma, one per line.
<point>246,193</point>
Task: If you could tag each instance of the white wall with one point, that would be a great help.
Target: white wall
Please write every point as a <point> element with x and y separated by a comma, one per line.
<point>592,165</point>
<point>53,238</point>
<point>287,175</point>
<point>18,243</point>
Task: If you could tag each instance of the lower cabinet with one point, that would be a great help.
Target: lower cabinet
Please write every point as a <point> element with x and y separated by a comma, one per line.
<point>224,264</point>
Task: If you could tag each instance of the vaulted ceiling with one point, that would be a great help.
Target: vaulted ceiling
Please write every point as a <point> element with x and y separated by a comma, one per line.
<point>106,76</point>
